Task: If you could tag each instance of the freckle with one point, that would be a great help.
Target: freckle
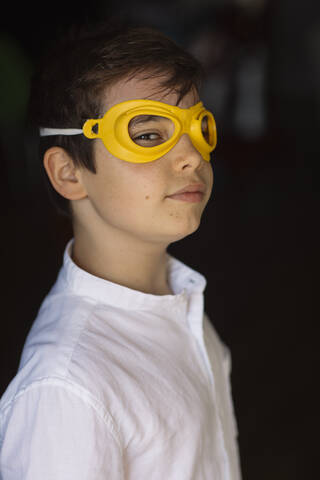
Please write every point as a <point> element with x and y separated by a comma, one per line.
<point>147,197</point>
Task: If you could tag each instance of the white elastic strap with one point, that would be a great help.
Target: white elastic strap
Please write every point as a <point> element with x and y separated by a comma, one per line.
<point>46,132</point>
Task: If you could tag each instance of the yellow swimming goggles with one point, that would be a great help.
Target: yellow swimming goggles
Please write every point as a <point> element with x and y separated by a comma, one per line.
<point>141,131</point>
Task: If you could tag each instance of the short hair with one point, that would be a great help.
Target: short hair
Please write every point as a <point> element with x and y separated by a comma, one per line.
<point>71,79</point>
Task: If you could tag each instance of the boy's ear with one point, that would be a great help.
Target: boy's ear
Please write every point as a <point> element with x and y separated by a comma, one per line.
<point>64,176</point>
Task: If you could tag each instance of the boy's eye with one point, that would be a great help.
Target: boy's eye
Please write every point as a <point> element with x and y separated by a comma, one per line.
<point>150,130</point>
<point>148,139</point>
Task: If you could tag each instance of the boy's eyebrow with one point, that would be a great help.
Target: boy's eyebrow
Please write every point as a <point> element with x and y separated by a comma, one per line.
<point>143,119</point>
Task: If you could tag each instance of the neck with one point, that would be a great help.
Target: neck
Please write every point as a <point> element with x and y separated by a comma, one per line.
<point>126,261</point>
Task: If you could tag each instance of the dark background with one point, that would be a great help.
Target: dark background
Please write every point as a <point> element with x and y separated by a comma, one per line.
<point>256,245</point>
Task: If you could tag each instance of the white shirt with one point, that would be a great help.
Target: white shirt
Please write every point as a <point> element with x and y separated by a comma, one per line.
<point>115,383</point>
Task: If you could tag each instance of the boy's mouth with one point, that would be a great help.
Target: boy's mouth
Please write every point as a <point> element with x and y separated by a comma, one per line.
<point>191,193</point>
<point>192,197</point>
<point>192,188</point>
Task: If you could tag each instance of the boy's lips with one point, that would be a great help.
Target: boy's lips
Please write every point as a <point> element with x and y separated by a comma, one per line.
<point>192,193</point>
<point>194,187</point>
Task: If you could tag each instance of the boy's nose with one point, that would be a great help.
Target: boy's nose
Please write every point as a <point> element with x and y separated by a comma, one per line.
<point>185,154</point>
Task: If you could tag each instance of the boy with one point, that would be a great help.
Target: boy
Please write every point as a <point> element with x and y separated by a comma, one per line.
<point>122,375</point>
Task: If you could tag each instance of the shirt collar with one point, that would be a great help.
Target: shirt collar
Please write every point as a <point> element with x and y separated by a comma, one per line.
<point>183,281</point>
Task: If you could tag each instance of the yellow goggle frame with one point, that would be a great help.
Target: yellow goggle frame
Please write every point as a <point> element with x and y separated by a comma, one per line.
<point>113,129</point>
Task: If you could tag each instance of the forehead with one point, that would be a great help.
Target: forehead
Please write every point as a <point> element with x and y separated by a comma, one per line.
<point>150,89</point>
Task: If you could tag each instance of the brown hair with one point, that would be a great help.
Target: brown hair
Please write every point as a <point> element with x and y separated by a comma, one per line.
<point>68,85</point>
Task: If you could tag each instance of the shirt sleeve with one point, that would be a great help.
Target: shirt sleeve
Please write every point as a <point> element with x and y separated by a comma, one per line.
<point>55,432</point>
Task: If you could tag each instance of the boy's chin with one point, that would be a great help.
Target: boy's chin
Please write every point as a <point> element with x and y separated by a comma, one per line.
<point>184,230</point>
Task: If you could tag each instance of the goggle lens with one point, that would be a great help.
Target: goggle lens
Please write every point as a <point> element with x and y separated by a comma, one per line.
<point>207,129</point>
<point>150,130</point>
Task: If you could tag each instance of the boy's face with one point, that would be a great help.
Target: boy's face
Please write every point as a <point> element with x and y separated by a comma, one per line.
<point>135,198</point>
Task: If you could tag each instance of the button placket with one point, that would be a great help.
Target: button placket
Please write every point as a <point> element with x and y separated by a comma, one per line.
<point>195,322</point>
<point>195,319</point>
